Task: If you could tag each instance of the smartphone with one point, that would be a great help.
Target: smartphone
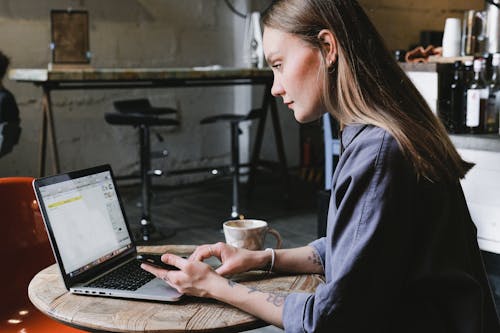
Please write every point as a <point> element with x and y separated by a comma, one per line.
<point>154,260</point>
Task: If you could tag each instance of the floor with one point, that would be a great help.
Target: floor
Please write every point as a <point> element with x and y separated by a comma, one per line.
<point>196,212</point>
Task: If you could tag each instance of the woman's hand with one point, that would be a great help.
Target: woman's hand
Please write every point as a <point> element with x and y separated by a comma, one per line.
<point>196,278</point>
<point>193,278</point>
<point>234,260</point>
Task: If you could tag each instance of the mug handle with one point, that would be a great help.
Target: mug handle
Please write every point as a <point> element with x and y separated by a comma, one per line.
<point>276,234</point>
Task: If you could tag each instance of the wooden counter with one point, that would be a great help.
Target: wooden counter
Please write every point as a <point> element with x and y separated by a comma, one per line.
<point>138,74</point>
<point>146,78</point>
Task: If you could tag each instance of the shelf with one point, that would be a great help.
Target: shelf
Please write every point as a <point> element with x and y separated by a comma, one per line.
<point>487,142</point>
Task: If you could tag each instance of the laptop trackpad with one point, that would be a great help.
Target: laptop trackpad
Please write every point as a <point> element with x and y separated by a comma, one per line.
<point>157,287</point>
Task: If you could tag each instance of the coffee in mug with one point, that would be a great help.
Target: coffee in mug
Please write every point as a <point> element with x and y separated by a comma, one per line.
<point>249,234</point>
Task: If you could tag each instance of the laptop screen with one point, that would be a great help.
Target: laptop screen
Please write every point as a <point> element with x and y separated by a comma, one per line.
<point>86,219</point>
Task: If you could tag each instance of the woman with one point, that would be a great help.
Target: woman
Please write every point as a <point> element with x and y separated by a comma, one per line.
<point>401,253</point>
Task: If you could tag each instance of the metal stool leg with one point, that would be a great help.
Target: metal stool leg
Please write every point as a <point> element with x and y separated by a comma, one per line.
<point>148,232</point>
<point>235,164</point>
<point>145,182</point>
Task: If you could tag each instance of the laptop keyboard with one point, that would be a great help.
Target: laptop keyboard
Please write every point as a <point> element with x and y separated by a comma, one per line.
<point>128,277</point>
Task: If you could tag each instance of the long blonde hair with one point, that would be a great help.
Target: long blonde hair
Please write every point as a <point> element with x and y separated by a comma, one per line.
<point>368,86</point>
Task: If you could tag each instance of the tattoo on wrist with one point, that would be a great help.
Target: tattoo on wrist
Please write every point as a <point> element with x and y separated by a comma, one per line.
<point>276,299</point>
<point>252,289</point>
<point>315,258</point>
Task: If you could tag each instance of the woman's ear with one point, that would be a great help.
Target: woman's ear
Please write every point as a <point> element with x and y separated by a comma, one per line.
<point>329,46</point>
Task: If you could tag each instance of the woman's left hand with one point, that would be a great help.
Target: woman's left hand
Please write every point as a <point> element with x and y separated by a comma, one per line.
<point>196,278</point>
<point>193,278</point>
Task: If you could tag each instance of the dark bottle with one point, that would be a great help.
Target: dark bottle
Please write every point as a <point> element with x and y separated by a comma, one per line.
<point>467,76</point>
<point>457,100</point>
<point>477,97</point>
<point>468,73</point>
<point>491,115</point>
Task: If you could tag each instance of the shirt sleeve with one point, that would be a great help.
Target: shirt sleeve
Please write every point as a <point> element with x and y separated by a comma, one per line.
<point>366,248</point>
<point>319,246</point>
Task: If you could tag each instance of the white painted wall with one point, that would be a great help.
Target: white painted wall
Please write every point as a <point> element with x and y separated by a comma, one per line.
<point>481,188</point>
<point>135,33</point>
<point>427,84</point>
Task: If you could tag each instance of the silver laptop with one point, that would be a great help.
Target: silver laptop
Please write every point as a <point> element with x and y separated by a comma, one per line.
<point>91,238</point>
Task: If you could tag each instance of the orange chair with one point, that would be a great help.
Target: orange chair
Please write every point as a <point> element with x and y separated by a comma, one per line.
<point>25,251</point>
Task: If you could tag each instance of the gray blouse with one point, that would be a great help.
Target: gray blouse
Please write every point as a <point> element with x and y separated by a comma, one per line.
<point>400,254</point>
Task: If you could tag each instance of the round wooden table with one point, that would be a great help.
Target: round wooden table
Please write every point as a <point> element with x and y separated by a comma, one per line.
<point>48,293</point>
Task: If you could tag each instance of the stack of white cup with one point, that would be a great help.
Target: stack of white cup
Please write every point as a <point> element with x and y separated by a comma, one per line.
<point>451,37</point>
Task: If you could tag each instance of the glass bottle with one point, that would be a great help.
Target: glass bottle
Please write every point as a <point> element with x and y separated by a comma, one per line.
<point>467,76</point>
<point>477,97</point>
<point>457,99</point>
<point>492,108</point>
<point>468,73</point>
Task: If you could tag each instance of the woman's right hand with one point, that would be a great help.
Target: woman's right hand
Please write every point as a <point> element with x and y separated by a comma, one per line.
<point>234,260</point>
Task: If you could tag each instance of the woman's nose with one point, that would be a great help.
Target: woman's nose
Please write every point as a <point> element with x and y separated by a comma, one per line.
<point>277,89</point>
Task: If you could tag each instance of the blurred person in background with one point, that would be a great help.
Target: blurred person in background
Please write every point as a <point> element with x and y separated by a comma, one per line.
<point>10,129</point>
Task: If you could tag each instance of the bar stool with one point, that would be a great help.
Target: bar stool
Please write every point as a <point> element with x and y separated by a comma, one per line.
<point>139,113</point>
<point>234,169</point>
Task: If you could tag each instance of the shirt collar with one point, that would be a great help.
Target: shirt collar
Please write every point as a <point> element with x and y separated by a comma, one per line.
<point>349,133</point>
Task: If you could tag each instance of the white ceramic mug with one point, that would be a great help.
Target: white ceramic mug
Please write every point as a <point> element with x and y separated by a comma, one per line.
<point>249,234</point>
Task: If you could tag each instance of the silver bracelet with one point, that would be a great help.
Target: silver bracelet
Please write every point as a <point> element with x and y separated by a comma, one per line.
<point>273,257</point>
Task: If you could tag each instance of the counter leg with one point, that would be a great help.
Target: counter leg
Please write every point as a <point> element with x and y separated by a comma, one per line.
<point>278,138</point>
<point>255,160</point>
<point>43,142</point>
<point>269,105</point>
<point>47,105</point>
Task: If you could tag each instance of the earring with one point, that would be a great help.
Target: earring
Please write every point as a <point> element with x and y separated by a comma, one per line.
<point>331,66</point>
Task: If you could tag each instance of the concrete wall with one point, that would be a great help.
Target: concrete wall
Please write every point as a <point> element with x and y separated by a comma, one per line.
<point>135,33</point>
<point>156,33</point>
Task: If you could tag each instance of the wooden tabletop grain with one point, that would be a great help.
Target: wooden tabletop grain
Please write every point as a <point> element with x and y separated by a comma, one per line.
<point>47,292</point>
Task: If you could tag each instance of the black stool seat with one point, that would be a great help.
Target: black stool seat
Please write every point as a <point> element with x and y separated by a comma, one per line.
<point>233,118</point>
<point>137,119</point>
<point>141,105</point>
